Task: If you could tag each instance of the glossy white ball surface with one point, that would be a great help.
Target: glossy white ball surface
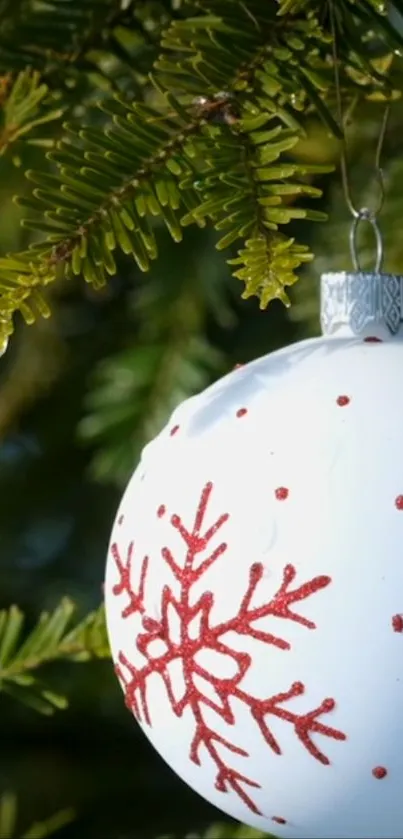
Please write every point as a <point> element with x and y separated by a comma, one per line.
<point>254,591</point>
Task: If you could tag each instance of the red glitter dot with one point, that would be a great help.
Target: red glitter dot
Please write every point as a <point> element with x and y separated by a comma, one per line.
<point>281,493</point>
<point>397,623</point>
<point>399,502</point>
<point>278,820</point>
<point>237,366</point>
<point>242,412</point>
<point>372,339</point>
<point>161,511</point>
<point>379,772</point>
<point>174,430</point>
<point>343,400</point>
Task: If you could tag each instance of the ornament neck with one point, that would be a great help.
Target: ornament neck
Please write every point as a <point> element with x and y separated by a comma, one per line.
<point>361,304</point>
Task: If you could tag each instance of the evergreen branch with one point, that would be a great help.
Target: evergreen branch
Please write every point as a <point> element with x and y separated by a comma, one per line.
<point>134,392</point>
<point>156,378</point>
<point>52,639</point>
<point>39,830</point>
<point>205,159</point>
<point>247,196</point>
<point>34,36</point>
<point>55,32</point>
<point>25,103</point>
<point>263,262</point>
<point>221,830</point>
<point>61,38</point>
<point>109,185</point>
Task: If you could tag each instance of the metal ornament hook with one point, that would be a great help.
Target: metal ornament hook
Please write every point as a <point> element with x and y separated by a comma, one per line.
<point>365,214</point>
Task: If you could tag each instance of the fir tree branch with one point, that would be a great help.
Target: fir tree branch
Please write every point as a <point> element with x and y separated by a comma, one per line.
<point>52,639</point>
<point>25,104</point>
<point>39,830</point>
<point>205,159</point>
<point>225,831</point>
<point>109,185</point>
<point>133,393</point>
<point>61,39</point>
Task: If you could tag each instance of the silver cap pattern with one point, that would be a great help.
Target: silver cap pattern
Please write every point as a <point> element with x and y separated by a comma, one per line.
<point>359,302</point>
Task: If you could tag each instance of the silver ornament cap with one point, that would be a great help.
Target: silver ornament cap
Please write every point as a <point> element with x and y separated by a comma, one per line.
<point>361,304</point>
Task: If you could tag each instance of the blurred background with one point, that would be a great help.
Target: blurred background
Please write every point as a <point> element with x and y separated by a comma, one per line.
<point>80,394</point>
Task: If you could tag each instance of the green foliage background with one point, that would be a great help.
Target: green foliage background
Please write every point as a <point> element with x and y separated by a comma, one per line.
<point>132,333</point>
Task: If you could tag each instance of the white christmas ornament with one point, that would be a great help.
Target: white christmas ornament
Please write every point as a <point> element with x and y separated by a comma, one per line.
<point>254,587</point>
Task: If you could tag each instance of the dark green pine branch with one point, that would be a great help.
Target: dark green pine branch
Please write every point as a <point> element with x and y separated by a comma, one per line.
<point>43,36</point>
<point>56,34</point>
<point>9,817</point>
<point>219,147</point>
<point>52,639</point>
<point>66,41</point>
<point>108,186</point>
<point>25,104</point>
<point>248,199</point>
<point>133,392</point>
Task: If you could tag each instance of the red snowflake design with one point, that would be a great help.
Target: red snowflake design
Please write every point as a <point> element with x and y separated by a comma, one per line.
<point>211,637</point>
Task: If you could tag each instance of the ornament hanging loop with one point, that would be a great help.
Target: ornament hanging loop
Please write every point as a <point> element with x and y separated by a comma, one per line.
<point>361,303</point>
<point>365,214</point>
